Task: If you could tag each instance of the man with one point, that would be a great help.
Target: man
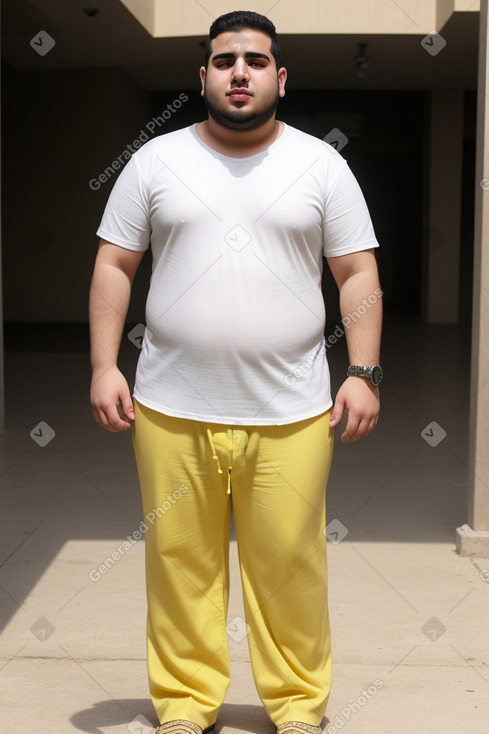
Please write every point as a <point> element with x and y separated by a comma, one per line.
<point>232,396</point>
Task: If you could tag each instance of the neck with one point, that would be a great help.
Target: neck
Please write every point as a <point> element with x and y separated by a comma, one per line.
<point>239,143</point>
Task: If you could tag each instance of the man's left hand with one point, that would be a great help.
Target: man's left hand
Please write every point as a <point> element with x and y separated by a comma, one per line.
<point>361,399</point>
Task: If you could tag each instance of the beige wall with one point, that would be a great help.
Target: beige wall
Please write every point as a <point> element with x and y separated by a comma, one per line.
<point>164,18</point>
<point>479,388</point>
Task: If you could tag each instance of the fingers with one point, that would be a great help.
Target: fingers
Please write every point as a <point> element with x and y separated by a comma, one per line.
<point>358,426</point>
<point>357,402</point>
<point>337,412</point>
<point>114,417</point>
<point>126,408</point>
<point>111,400</point>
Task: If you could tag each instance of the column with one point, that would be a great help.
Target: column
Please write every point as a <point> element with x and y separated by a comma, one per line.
<point>472,538</point>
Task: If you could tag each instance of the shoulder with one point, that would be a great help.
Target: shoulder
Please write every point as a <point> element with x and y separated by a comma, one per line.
<point>306,142</point>
<point>304,152</point>
<point>162,144</point>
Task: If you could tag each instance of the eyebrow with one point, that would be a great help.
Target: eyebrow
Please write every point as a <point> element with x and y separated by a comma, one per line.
<point>248,55</point>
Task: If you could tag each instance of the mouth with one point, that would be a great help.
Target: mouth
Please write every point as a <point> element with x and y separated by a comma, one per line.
<point>239,94</point>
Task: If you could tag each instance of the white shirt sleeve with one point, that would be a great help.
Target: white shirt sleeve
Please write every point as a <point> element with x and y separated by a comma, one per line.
<point>347,226</point>
<point>126,219</point>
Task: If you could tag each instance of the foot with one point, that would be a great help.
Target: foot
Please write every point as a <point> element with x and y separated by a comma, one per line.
<point>182,726</point>
<point>297,727</point>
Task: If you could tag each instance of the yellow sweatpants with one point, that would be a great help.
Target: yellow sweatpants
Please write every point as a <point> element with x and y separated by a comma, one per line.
<point>275,478</point>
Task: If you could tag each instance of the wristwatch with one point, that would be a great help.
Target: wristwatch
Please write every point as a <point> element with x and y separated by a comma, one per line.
<point>373,373</point>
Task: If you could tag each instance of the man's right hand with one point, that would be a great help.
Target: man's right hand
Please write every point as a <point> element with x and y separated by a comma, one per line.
<point>111,399</point>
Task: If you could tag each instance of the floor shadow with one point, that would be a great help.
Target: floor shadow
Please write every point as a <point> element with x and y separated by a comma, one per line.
<point>116,712</point>
<point>138,716</point>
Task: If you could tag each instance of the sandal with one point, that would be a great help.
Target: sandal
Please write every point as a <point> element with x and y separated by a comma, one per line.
<point>182,726</point>
<point>298,727</point>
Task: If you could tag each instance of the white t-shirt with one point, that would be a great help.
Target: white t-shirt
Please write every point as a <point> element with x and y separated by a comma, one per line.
<point>235,315</point>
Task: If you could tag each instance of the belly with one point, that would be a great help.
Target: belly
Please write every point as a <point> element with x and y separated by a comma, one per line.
<point>257,312</point>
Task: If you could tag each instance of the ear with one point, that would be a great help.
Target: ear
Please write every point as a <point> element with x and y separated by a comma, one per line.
<point>282,78</point>
<point>202,74</point>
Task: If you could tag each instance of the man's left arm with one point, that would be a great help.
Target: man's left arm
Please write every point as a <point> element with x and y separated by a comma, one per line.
<point>357,278</point>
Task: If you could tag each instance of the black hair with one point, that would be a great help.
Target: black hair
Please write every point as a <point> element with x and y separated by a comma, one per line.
<point>240,20</point>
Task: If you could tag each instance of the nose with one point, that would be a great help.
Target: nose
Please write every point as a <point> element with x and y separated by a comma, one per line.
<point>240,71</point>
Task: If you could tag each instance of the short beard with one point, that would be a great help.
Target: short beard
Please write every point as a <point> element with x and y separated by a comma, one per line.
<point>240,119</point>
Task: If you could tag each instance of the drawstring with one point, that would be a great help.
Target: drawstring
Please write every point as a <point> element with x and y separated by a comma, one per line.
<point>214,455</point>
<point>216,458</point>
<point>230,439</point>
<point>229,480</point>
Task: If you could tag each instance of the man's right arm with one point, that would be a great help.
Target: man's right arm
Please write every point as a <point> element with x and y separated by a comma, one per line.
<point>110,292</point>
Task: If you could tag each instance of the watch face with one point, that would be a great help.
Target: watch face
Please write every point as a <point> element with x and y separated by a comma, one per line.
<point>377,374</point>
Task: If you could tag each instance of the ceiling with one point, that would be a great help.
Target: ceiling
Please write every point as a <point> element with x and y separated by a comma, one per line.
<point>103,33</point>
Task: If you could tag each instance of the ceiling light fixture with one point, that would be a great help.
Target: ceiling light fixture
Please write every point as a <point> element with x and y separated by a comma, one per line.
<point>361,60</point>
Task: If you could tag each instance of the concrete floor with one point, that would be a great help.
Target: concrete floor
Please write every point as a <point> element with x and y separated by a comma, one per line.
<point>410,619</point>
